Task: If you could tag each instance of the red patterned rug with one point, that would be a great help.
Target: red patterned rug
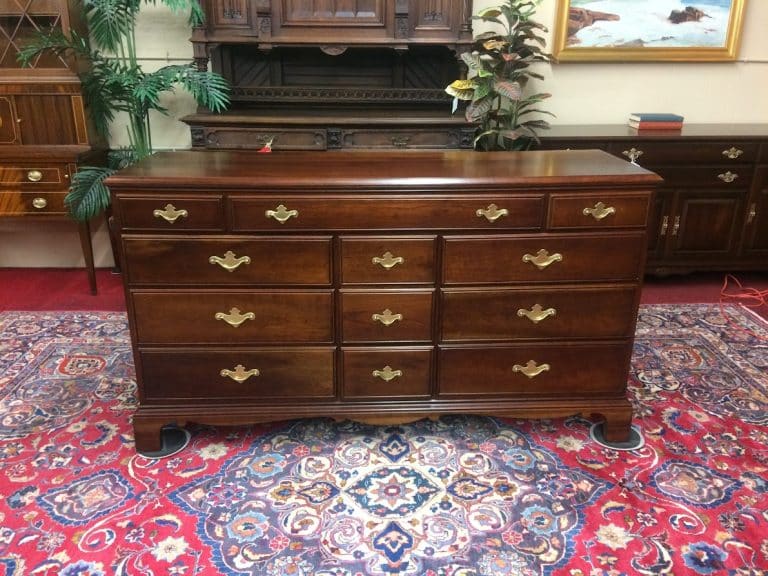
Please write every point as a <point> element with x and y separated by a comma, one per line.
<point>462,496</point>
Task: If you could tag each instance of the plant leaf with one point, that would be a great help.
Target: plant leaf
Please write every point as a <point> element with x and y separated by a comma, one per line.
<point>88,195</point>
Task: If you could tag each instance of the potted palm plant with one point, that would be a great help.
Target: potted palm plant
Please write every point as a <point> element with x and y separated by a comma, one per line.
<point>113,82</point>
<point>499,71</point>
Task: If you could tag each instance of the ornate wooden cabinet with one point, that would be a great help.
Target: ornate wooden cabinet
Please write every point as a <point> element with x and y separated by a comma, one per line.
<point>330,74</point>
<point>381,285</point>
<point>711,212</point>
<point>43,130</point>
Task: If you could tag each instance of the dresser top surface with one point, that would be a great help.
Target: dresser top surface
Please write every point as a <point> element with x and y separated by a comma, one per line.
<point>443,170</point>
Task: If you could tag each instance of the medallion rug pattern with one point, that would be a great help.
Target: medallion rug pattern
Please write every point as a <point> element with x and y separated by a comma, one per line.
<point>459,496</point>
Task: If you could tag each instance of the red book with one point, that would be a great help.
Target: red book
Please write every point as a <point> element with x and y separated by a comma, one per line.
<point>650,125</point>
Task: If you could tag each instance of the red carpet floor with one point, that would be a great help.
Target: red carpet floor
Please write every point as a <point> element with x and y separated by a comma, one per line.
<point>67,289</point>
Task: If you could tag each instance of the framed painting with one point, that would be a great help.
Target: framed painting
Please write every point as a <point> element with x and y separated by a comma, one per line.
<point>648,30</point>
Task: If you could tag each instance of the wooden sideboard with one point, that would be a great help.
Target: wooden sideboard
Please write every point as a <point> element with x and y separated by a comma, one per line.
<point>381,286</point>
<point>712,211</point>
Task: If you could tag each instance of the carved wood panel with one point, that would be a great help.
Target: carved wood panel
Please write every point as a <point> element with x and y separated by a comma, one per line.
<point>333,12</point>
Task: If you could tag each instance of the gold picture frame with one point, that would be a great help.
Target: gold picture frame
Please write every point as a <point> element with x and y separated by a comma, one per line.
<point>713,37</point>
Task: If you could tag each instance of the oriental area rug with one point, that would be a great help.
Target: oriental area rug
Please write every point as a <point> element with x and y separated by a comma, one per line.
<point>460,496</point>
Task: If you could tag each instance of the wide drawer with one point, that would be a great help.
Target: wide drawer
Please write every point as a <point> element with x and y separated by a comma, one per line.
<point>534,370</point>
<point>293,212</point>
<point>709,176</point>
<point>170,213</point>
<point>391,373</point>
<point>544,258</point>
<point>388,260</point>
<point>392,316</point>
<point>34,176</point>
<point>32,203</point>
<point>567,312</point>
<point>297,139</point>
<point>253,317</point>
<point>658,152</point>
<point>598,210</point>
<point>248,374</point>
<point>401,139</point>
<point>227,260</point>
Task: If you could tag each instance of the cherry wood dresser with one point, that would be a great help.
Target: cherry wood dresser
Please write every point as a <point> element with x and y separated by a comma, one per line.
<point>381,286</point>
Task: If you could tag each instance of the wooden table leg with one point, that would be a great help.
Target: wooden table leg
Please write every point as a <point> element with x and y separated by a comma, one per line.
<point>85,242</point>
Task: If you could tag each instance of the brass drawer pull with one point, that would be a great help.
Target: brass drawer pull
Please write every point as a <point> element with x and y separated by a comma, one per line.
<point>229,262</point>
<point>728,177</point>
<point>752,213</point>
<point>235,317</point>
<point>599,212</point>
<point>676,226</point>
<point>387,373</point>
<point>39,203</point>
<point>282,214</point>
<point>492,213</point>
<point>633,154</point>
<point>542,259</point>
<point>239,374</point>
<point>537,313</point>
<point>664,226</point>
<point>34,175</point>
<point>170,214</point>
<point>386,317</point>
<point>531,369</point>
<point>387,260</point>
<point>400,141</point>
<point>733,153</point>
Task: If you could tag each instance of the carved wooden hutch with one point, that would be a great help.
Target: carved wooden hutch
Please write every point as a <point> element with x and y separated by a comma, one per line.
<point>330,74</point>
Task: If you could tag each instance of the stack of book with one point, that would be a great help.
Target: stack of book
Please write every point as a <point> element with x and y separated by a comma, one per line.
<point>655,121</point>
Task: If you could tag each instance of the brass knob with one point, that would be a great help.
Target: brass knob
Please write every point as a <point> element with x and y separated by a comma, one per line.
<point>633,154</point>
<point>531,369</point>
<point>282,214</point>
<point>728,177</point>
<point>599,211</point>
<point>386,317</point>
<point>542,258</point>
<point>732,153</point>
<point>537,313</point>
<point>234,318</point>
<point>39,203</point>
<point>229,262</point>
<point>492,213</point>
<point>34,175</point>
<point>239,374</point>
<point>387,373</point>
<point>387,260</point>
<point>170,214</point>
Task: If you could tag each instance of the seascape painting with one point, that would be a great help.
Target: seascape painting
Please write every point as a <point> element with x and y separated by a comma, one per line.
<point>649,29</point>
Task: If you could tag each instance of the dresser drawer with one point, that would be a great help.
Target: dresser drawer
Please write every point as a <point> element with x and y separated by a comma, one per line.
<point>214,374</point>
<point>710,152</point>
<point>567,312</point>
<point>388,260</point>
<point>574,370</point>
<point>598,210</point>
<point>391,316</point>
<point>709,176</point>
<point>545,258</point>
<point>386,213</point>
<point>34,176</point>
<point>170,213</point>
<point>253,317</point>
<point>401,139</point>
<point>394,373</point>
<point>227,260</point>
<point>14,203</point>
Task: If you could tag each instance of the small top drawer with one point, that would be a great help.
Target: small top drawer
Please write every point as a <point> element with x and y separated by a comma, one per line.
<point>388,260</point>
<point>682,152</point>
<point>598,210</point>
<point>170,213</point>
<point>35,176</point>
<point>294,212</point>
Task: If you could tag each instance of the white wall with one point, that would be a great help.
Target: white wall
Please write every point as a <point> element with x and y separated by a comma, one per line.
<point>583,93</point>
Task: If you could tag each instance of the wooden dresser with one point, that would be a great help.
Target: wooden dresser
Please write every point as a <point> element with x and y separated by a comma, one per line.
<point>381,286</point>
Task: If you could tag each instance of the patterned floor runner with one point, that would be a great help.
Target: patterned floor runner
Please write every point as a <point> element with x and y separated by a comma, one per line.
<point>461,496</point>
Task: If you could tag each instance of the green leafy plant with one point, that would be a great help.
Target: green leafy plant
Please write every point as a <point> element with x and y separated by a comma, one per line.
<point>113,82</point>
<point>499,70</point>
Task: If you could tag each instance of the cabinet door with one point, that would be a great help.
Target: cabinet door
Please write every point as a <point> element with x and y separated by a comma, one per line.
<point>20,21</point>
<point>706,225</point>
<point>756,226</point>
<point>8,132</point>
<point>49,119</point>
<point>331,20</point>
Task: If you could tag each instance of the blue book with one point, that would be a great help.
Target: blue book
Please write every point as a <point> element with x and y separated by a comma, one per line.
<point>655,117</point>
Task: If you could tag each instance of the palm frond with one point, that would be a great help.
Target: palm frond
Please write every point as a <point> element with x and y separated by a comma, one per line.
<point>110,21</point>
<point>88,195</point>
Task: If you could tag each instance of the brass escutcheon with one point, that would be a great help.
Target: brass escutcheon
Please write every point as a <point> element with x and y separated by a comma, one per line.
<point>531,369</point>
<point>387,260</point>
<point>733,153</point>
<point>542,258</point>
<point>170,214</point>
<point>537,313</point>
<point>39,203</point>
<point>387,373</point>
<point>239,374</point>
<point>728,177</point>
<point>229,262</point>
<point>492,213</point>
<point>599,212</point>
<point>386,317</point>
<point>235,318</point>
<point>34,175</point>
<point>282,214</point>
